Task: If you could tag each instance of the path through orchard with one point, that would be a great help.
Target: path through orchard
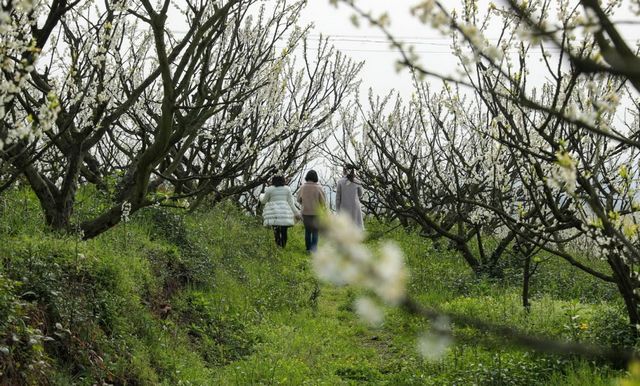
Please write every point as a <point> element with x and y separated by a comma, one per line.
<point>324,343</point>
<point>321,340</point>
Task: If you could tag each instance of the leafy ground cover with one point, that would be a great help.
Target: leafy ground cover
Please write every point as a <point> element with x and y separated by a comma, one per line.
<point>207,299</point>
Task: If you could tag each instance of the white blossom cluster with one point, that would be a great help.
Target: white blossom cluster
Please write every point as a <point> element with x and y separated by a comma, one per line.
<point>563,173</point>
<point>345,260</point>
<point>18,56</point>
<point>126,211</point>
<point>434,344</point>
<point>428,13</point>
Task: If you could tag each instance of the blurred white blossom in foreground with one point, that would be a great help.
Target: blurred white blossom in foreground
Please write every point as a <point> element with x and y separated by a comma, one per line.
<point>343,259</point>
<point>368,310</point>
<point>434,344</point>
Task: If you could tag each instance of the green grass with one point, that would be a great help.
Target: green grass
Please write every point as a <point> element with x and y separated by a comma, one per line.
<point>208,299</point>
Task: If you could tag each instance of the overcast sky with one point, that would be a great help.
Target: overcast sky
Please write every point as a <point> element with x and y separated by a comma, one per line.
<point>366,43</point>
<point>369,45</point>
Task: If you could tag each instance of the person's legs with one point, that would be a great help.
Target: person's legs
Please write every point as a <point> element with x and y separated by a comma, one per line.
<point>276,234</point>
<point>283,235</point>
<point>311,226</point>
<point>314,240</point>
<point>307,238</point>
<point>308,227</point>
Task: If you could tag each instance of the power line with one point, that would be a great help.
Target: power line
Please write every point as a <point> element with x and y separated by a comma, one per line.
<point>420,41</point>
<point>371,38</point>
<point>393,50</point>
<point>337,39</point>
<point>333,40</point>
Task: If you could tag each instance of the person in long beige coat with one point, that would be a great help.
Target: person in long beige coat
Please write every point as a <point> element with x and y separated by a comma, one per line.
<point>348,194</point>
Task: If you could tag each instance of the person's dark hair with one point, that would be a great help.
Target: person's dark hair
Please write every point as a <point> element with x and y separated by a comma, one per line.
<point>311,176</point>
<point>350,172</point>
<point>278,181</point>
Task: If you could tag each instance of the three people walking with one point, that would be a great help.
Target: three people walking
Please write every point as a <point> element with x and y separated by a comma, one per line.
<point>280,211</point>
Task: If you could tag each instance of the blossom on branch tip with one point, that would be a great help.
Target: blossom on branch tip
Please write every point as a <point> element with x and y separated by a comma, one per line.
<point>391,270</point>
<point>563,172</point>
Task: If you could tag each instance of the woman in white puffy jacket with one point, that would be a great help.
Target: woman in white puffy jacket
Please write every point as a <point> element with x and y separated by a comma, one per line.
<point>279,209</point>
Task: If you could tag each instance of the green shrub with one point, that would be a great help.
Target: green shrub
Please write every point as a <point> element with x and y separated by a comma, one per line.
<point>22,356</point>
<point>611,327</point>
<point>220,336</point>
<point>192,265</point>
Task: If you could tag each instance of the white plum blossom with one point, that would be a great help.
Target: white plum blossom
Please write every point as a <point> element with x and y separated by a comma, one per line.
<point>428,12</point>
<point>432,345</point>
<point>342,230</point>
<point>563,173</point>
<point>392,274</point>
<point>126,210</point>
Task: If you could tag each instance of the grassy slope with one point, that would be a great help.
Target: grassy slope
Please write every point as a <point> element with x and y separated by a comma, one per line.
<point>208,299</point>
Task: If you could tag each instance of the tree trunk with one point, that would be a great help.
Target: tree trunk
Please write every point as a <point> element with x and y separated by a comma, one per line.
<point>526,277</point>
<point>100,224</point>
<point>622,274</point>
<point>60,218</point>
<point>631,306</point>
